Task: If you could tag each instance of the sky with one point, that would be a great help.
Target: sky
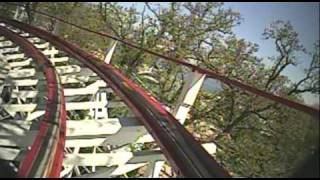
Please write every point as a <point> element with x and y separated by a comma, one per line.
<point>304,16</point>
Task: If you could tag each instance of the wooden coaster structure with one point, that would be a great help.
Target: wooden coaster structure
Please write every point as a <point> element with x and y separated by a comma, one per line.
<point>56,115</point>
<point>96,144</point>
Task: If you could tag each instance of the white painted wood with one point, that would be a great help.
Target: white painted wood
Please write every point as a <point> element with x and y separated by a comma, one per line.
<point>12,127</point>
<point>23,140</point>
<point>59,59</point>
<point>3,76</point>
<point>6,43</point>
<point>108,57</point>
<point>188,96</point>
<point>69,106</point>
<point>42,46</point>
<point>22,63</point>
<point>8,153</point>
<point>23,73</point>
<point>101,159</point>
<point>185,101</point>
<point>68,69</point>
<point>14,56</point>
<point>29,72</point>
<point>157,169</point>
<point>92,127</point>
<point>25,82</point>
<point>90,104</point>
<point>50,52</point>
<point>9,49</point>
<point>84,142</point>
<point>89,90</point>
<point>24,94</point>
<point>100,97</point>
<point>211,148</point>
<point>33,115</point>
<point>64,79</point>
<point>33,40</point>
<point>19,107</point>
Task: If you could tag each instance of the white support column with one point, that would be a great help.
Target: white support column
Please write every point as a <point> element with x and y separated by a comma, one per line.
<point>101,96</point>
<point>186,99</point>
<point>188,95</point>
<point>108,57</point>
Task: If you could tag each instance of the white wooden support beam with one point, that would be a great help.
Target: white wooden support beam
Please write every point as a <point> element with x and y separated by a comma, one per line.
<point>186,99</point>
<point>29,72</point>
<point>8,153</point>
<point>6,43</point>
<point>108,57</point>
<point>68,92</point>
<point>22,63</point>
<point>100,97</point>
<point>188,96</point>
<point>92,127</point>
<point>131,129</point>
<point>12,109</point>
<point>9,49</point>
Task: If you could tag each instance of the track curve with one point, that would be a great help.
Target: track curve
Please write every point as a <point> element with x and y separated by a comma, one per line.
<point>184,153</point>
<point>46,153</point>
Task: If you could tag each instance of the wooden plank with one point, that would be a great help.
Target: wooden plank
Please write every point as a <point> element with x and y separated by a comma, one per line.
<point>8,154</point>
<point>42,46</point>
<point>26,62</point>
<point>130,131</point>
<point>6,43</point>
<point>31,72</point>
<point>11,108</point>
<point>100,159</point>
<point>92,127</point>
<point>13,128</point>
<point>59,59</point>
<point>9,49</point>
<point>14,56</point>
<point>25,140</point>
<point>188,95</point>
<point>89,90</point>
<point>23,73</point>
<point>84,142</point>
<point>65,79</point>
<point>91,105</point>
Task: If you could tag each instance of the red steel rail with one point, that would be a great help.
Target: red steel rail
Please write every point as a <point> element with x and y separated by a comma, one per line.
<point>185,154</point>
<point>298,106</point>
<point>45,157</point>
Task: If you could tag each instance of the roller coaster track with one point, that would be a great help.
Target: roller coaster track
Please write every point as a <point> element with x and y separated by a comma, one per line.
<point>50,142</point>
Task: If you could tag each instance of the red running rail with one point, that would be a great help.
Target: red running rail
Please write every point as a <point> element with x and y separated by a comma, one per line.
<point>46,154</point>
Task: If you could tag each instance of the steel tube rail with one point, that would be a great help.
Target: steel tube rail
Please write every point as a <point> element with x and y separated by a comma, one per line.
<point>298,106</point>
<point>45,157</point>
<point>185,154</point>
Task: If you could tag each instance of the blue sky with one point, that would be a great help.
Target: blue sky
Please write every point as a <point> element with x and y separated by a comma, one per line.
<point>304,16</point>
